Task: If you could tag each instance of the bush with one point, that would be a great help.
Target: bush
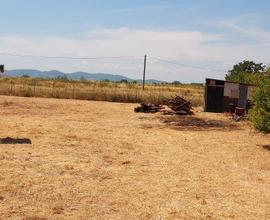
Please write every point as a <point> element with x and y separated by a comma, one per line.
<point>124,81</point>
<point>176,83</point>
<point>26,92</point>
<point>260,113</point>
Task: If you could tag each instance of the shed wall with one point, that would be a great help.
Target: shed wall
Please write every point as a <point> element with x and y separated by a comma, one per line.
<point>222,96</point>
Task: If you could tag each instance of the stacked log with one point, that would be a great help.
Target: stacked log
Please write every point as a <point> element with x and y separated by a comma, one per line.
<point>180,106</point>
<point>148,108</point>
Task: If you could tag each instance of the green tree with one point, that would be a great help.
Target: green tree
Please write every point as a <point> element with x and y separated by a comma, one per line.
<point>260,112</point>
<point>82,78</point>
<point>176,83</point>
<point>25,76</point>
<point>106,80</point>
<point>245,72</point>
<point>62,78</point>
<point>123,81</point>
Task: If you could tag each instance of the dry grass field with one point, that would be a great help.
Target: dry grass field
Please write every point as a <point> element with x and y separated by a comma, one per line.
<point>99,160</point>
<point>99,90</point>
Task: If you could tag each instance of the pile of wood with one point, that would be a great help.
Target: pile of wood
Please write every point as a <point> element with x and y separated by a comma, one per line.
<point>180,106</point>
<point>148,108</point>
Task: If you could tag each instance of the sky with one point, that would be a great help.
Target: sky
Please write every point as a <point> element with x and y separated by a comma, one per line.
<point>183,40</point>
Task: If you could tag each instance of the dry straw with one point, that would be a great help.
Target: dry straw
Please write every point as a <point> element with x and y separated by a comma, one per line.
<point>100,160</point>
<point>99,91</point>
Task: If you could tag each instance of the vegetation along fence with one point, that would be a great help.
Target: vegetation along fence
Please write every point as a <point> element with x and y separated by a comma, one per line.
<point>99,91</point>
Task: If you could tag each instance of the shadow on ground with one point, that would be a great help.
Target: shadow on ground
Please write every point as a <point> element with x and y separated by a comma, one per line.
<point>191,122</point>
<point>266,147</point>
<point>10,140</point>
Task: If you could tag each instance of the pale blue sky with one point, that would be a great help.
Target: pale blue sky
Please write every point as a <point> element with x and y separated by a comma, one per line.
<point>213,34</point>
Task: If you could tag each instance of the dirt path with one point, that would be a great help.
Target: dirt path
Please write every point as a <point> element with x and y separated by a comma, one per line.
<point>98,160</point>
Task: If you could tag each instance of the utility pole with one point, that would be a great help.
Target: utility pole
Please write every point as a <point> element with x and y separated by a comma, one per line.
<point>144,70</point>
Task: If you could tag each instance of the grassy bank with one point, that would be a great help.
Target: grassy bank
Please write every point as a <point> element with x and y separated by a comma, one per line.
<point>99,91</point>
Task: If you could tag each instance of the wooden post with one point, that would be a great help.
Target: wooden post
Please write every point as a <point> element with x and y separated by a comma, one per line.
<point>53,89</point>
<point>35,89</point>
<point>144,70</point>
<point>73,91</point>
<point>11,88</point>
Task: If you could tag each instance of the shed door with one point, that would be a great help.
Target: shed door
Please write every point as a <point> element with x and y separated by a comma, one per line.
<point>242,102</point>
<point>214,102</point>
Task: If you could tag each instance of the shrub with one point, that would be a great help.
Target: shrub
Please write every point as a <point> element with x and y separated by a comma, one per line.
<point>176,83</point>
<point>27,92</point>
<point>260,113</point>
<point>124,81</point>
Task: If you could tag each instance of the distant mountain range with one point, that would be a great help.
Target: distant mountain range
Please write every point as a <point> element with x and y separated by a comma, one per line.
<point>74,76</point>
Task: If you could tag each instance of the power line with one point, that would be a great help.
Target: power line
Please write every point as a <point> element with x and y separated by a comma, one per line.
<point>64,57</point>
<point>109,57</point>
<point>186,65</point>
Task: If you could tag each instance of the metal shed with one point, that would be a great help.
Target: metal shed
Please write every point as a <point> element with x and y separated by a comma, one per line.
<point>2,68</point>
<point>224,96</point>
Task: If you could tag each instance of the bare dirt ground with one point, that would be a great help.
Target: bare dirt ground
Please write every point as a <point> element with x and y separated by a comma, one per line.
<point>98,160</point>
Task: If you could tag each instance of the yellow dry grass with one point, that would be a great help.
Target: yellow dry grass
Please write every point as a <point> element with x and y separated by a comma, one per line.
<point>99,91</point>
<point>99,160</point>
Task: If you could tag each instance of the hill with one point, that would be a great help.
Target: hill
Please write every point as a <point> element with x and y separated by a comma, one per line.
<point>73,76</point>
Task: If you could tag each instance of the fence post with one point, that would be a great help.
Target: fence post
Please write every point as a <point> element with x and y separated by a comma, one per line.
<point>136,94</point>
<point>53,90</point>
<point>10,88</point>
<point>73,91</point>
<point>35,89</point>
